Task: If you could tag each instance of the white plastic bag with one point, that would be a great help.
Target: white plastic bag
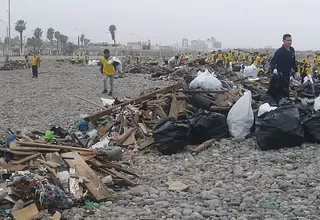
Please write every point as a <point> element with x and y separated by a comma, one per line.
<point>265,108</point>
<point>205,80</point>
<point>107,102</point>
<point>240,118</point>
<point>230,66</point>
<point>307,79</point>
<point>316,105</point>
<point>250,71</point>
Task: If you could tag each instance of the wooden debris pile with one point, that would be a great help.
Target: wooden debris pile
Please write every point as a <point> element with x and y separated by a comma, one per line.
<point>130,124</point>
<point>15,64</point>
<point>56,176</point>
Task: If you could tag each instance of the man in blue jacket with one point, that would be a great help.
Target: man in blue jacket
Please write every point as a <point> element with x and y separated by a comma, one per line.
<point>283,63</point>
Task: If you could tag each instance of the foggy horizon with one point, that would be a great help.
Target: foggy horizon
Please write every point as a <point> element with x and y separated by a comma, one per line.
<point>237,24</point>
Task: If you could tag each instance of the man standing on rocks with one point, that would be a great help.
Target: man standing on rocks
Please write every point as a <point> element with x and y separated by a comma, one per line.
<point>109,67</point>
<point>282,63</point>
<point>34,66</point>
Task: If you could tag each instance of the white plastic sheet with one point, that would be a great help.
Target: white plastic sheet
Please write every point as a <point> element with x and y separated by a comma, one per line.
<point>240,118</point>
<point>93,63</point>
<point>250,71</point>
<point>205,80</point>
<point>316,105</point>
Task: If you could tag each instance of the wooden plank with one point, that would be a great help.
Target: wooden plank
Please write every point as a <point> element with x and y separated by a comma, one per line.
<point>19,153</point>
<point>55,157</point>
<point>174,107</point>
<point>181,103</point>
<point>49,163</point>
<point>125,136</point>
<point>95,186</point>
<point>22,148</point>
<point>146,144</point>
<point>26,159</point>
<point>203,146</point>
<point>119,175</point>
<point>86,100</point>
<point>102,130</point>
<point>135,101</point>
<point>26,213</point>
<point>143,128</point>
<point>130,140</point>
<point>53,146</point>
<point>12,167</point>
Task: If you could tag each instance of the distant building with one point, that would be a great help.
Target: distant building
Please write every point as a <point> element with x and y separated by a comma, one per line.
<point>206,45</point>
<point>185,43</point>
<point>199,45</point>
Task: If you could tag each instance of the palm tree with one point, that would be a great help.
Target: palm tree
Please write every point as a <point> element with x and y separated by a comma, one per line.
<point>38,35</point>
<point>86,42</point>
<point>112,30</point>
<point>63,41</point>
<point>32,42</point>
<point>50,35</point>
<point>57,37</point>
<point>20,27</point>
<point>82,37</point>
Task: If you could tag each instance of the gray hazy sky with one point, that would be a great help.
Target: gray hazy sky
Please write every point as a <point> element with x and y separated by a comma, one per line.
<point>237,23</point>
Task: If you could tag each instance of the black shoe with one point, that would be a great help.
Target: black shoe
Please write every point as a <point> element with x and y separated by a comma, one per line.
<point>110,94</point>
<point>105,91</point>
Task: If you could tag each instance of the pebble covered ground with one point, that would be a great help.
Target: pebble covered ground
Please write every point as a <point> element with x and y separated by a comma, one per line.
<point>228,181</point>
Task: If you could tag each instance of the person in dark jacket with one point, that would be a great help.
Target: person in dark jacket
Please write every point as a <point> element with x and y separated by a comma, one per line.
<point>283,63</point>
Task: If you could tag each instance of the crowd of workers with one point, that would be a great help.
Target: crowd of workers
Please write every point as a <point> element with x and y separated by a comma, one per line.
<point>79,59</point>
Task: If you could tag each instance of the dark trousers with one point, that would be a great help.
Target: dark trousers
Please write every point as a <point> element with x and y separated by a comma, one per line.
<point>220,63</point>
<point>35,71</point>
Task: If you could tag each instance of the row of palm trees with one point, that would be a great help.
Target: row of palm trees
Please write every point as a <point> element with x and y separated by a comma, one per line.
<point>36,39</point>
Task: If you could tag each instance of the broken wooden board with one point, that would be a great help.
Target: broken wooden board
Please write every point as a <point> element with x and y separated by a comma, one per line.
<point>55,157</point>
<point>27,159</point>
<point>102,130</point>
<point>124,136</point>
<point>203,146</point>
<point>134,101</point>
<point>12,167</point>
<point>130,140</point>
<point>26,213</point>
<point>146,144</point>
<point>117,174</point>
<point>143,128</point>
<point>53,146</point>
<point>96,187</point>
<point>174,107</point>
<point>181,103</point>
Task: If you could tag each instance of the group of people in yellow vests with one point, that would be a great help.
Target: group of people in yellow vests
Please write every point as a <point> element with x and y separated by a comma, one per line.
<point>309,65</point>
<point>223,59</point>
<point>79,59</point>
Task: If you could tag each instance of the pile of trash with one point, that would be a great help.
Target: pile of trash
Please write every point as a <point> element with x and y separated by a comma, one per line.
<point>15,64</point>
<point>58,169</point>
<point>49,172</point>
<point>154,71</point>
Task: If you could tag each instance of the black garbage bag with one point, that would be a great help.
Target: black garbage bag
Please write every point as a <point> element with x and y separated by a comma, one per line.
<point>279,128</point>
<point>312,128</point>
<point>200,101</point>
<point>208,125</point>
<point>278,87</point>
<point>305,112</point>
<point>58,131</point>
<point>307,90</point>
<point>171,136</point>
